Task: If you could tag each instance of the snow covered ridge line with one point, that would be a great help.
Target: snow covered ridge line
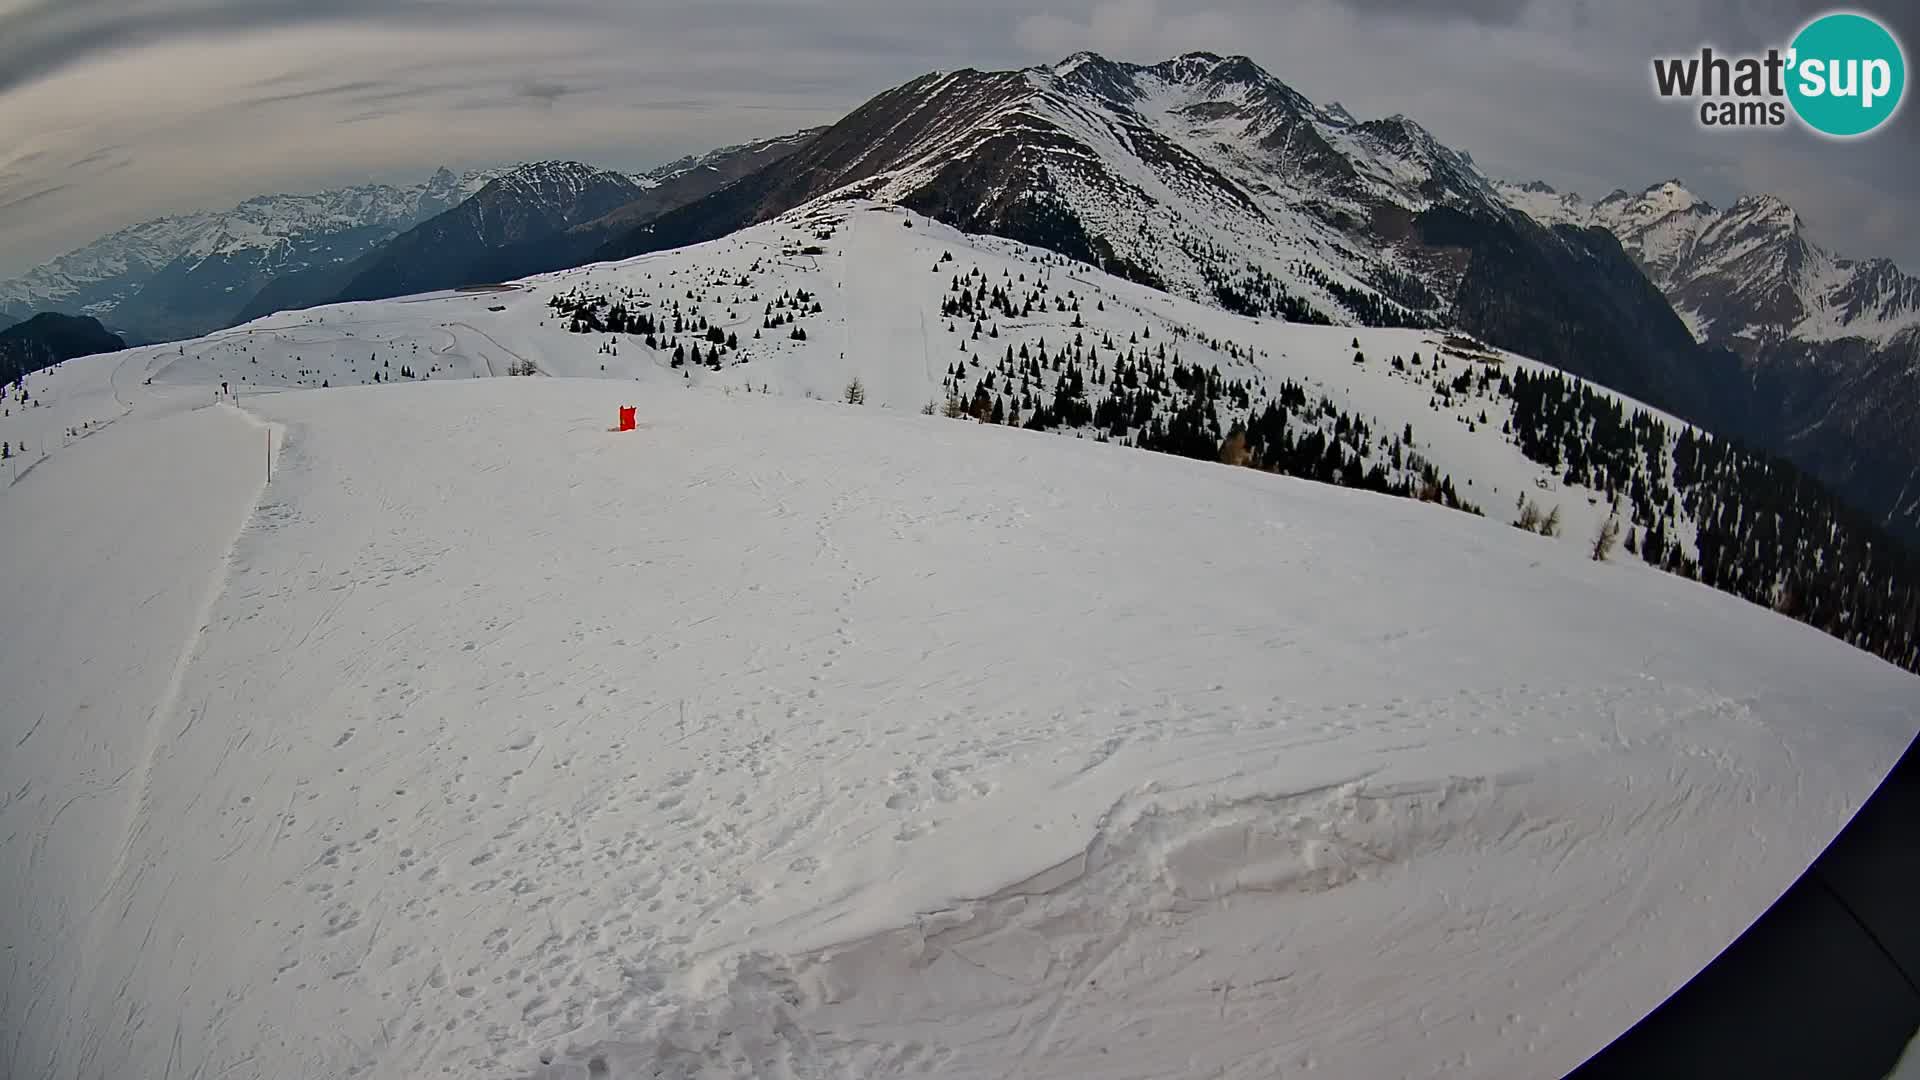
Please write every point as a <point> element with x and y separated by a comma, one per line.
<point>796,738</point>
<point>1670,496</point>
<point>1206,176</point>
<point>841,300</point>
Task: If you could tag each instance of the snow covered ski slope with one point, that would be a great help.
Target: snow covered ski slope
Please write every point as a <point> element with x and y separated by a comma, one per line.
<point>886,284</point>
<point>795,738</point>
<point>790,738</point>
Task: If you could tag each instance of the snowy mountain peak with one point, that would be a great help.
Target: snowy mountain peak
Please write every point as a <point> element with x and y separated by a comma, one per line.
<point>1646,206</point>
<point>716,158</point>
<point>1195,79</point>
<point>1207,177</point>
<point>259,238</point>
<point>1672,195</point>
<point>1214,69</point>
<point>1649,205</point>
<point>1202,173</point>
<point>553,175</point>
<point>545,195</point>
<point>1742,276</point>
<point>1768,208</point>
<point>1406,132</point>
<point>446,188</point>
<point>1077,61</point>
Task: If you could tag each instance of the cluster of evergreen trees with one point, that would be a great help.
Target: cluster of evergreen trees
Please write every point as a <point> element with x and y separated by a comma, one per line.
<point>1763,530</point>
<point>1372,308</point>
<point>1401,300</point>
<point>685,333</point>
<point>1321,442</point>
<point>1258,293</point>
<point>1142,393</point>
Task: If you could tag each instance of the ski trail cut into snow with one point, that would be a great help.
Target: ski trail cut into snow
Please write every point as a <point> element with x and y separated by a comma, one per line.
<point>165,711</point>
<point>168,705</point>
<point>141,517</point>
<point>888,344</point>
<point>165,723</point>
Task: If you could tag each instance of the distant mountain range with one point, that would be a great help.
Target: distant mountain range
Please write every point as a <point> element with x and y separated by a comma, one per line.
<point>1204,176</point>
<point>1746,276</point>
<point>183,276</point>
<point>1829,346</point>
<point>539,217</point>
<point>447,250</point>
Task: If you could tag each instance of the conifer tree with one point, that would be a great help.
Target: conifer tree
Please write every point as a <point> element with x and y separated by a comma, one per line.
<point>1607,536</point>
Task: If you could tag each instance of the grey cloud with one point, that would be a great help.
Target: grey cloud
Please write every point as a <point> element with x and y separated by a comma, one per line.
<point>16,202</point>
<point>371,95</point>
<point>382,93</point>
<point>17,169</point>
<point>40,37</point>
<point>544,92</point>
<point>1482,11</point>
<point>336,90</point>
<point>93,158</point>
<point>1553,89</point>
<point>107,159</point>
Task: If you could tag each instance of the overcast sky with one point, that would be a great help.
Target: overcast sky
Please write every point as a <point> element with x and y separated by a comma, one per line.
<point>114,111</point>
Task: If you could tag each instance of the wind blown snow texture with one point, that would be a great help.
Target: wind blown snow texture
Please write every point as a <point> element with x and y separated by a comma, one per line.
<point>785,737</point>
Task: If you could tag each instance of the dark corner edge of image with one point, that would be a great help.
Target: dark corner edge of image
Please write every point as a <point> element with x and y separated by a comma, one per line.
<point>1825,983</point>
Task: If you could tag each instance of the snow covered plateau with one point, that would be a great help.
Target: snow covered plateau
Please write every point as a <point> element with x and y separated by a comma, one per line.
<point>784,736</point>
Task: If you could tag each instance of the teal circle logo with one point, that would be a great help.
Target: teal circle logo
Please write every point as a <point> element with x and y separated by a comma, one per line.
<point>1846,74</point>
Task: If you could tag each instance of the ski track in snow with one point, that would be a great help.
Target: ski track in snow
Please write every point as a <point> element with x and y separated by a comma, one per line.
<point>136,565</point>
<point>785,738</point>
